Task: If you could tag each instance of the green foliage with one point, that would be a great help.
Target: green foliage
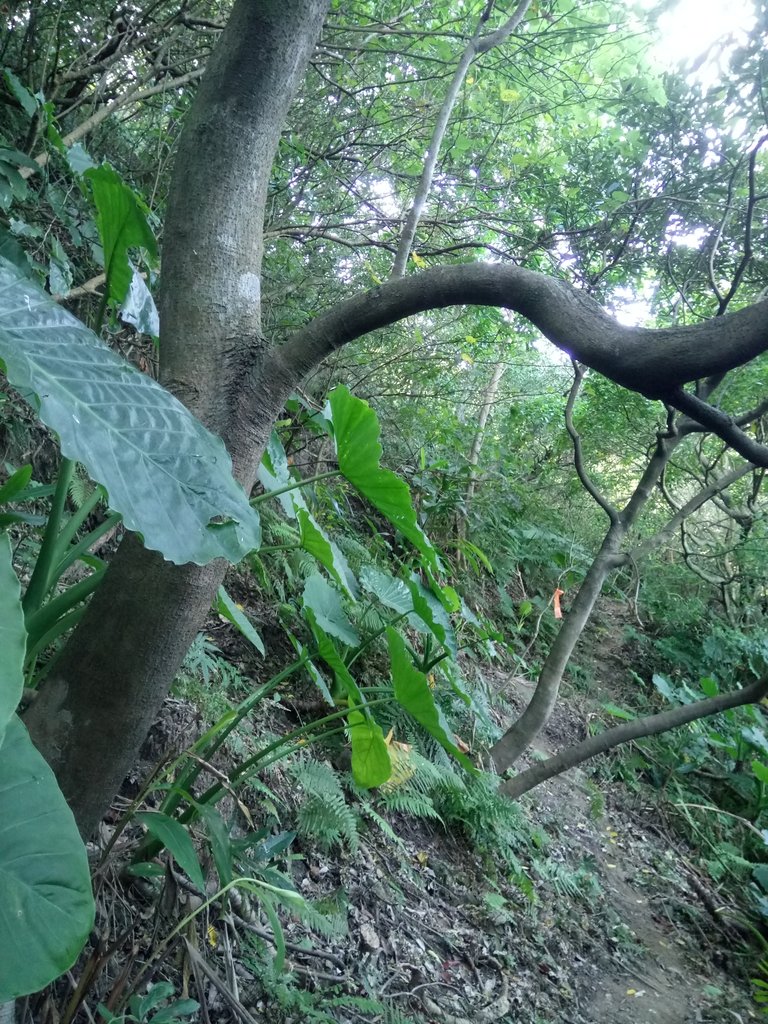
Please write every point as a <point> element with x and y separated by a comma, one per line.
<point>149,1008</point>
<point>288,1001</point>
<point>324,818</point>
<point>171,477</point>
<point>45,889</point>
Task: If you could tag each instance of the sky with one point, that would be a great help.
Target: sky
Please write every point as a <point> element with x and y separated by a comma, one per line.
<point>691,27</point>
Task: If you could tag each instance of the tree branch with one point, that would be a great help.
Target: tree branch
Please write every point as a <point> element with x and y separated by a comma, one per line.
<point>578,458</point>
<point>639,729</point>
<point>720,423</point>
<point>652,362</point>
<point>695,503</point>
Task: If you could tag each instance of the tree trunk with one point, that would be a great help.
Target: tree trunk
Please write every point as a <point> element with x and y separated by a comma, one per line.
<point>511,745</point>
<point>96,709</point>
<point>489,397</point>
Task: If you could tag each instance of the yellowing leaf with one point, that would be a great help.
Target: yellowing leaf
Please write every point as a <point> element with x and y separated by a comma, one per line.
<point>418,260</point>
<point>508,95</point>
<point>211,936</point>
<point>422,857</point>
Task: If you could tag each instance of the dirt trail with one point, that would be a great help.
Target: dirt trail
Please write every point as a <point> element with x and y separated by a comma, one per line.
<point>665,960</point>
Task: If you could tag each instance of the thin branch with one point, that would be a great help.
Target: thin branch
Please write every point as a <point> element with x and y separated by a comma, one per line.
<point>691,506</point>
<point>638,729</point>
<point>578,458</point>
<point>478,44</point>
<point>135,95</point>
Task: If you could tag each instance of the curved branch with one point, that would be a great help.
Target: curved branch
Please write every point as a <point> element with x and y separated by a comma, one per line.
<point>720,423</point>
<point>652,362</point>
<point>578,458</point>
<point>638,729</point>
<point>686,510</point>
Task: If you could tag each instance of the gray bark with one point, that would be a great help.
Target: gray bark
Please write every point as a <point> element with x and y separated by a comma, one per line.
<point>95,710</point>
<point>519,736</point>
<point>638,729</point>
<point>478,44</point>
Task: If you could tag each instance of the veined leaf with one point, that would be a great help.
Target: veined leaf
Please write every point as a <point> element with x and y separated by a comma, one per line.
<point>315,541</point>
<point>122,225</point>
<point>431,612</point>
<point>176,840</point>
<point>226,606</point>
<point>15,484</point>
<point>325,604</point>
<point>13,637</point>
<point>166,474</point>
<point>412,692</point>
<point>327,651</point>
<point>356,432</point>
<point>370,757</point>
<point>46,905</point>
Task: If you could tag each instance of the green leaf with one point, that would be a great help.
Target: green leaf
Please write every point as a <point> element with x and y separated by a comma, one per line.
<point>13,637</point>
<point>356,432</point>
<point>432,613</point>
<point>46,905</point>
<point>122,223</point>
<point>327,651</point>
<point>274,474</point>
<point>218,838</point>
<point>665,688</point>
<point>25,98</point>
<point>15,483</point>
<point>392,593</point>
<point>325,604</point>
<point>232,613</point>
<point>709,686</point>
<point>370,757</point>
<point>179,1008</point>
<point>412,692</point>
<point>78,159</point>
<point>760,771</point>
<point>11,250</point>
<point>18,159</point>
<point>165,473</point>
<point>176,840</point>
<point>156,994</point>
<point>315,541</point>
<point>616,712</point>
<point>756,738</point>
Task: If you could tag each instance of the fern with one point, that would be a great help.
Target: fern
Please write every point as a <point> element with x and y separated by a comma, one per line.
<point>324,817</point>
<point>356,553</point>
<point>80,487</point>
<point>574,883</point>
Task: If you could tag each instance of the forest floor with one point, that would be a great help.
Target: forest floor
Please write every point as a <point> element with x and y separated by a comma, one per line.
<point>622,929</point>
<point>618,927</point>
<point>620,932</point>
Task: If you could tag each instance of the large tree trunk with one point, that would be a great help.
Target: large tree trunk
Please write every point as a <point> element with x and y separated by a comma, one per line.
<point>95,710</point>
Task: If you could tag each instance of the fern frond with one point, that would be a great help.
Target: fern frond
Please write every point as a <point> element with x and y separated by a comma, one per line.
<point>324,815</point>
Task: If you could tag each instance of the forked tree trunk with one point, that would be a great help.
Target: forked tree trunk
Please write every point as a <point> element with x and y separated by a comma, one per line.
<point>98,705</point>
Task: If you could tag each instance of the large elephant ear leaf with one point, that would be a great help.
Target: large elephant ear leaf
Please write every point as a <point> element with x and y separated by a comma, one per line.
<point>46,906</point>
<point>168,476</point>
<point>356,432</point>
<point>13,637</point>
